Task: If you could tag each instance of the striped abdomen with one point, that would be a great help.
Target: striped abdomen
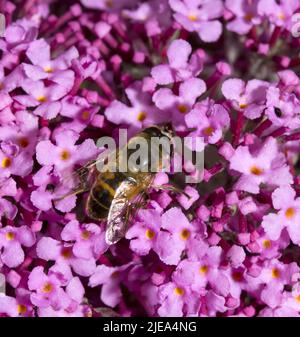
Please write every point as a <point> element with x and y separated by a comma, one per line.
<point>102,194</point>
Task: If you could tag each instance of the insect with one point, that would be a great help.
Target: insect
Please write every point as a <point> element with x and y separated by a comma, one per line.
<point>117,196</point>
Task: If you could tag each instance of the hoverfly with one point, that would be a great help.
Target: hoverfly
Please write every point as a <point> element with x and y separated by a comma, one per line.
<point>117,196</point>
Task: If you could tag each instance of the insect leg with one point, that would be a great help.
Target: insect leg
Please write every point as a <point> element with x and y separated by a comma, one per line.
<point>73,192</point>
<point>83,186</point>
<point>135,206</point>
<point>171,188</point>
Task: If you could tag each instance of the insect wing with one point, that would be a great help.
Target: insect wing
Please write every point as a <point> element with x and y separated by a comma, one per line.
<point>121,212</point>
<point>75,182</point>
<point>81,180</point>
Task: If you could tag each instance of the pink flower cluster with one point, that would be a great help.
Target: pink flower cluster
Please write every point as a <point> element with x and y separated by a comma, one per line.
<point>71,72</point>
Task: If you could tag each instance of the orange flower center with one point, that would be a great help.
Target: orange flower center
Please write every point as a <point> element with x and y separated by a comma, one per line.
<point>208,131</point>
<point>150,234</point>
<point>23,142</point>
<point>10,236</point>
<point>41,99</point>
<point>267,244</point>
<point>22,309</point>
<point>47,288</point>
<point>115,274</point>
<point>203,269</point>
<point>297,298</point>
<point>66,253</point>
<point>192,17</point>
<point>85,115</point>
<point>248,17</point>
<point>86,234</point>
<point>178,291</point>
<point>65,155</point>
<point>141,116</point>
<point>290,212</point>
<point>48,69</point>
<point>185,234</point>
<point>275,273</point>
<point>182,108</point>
<point>256,170</point>
<point>243,105</point>
<point>6,162</point>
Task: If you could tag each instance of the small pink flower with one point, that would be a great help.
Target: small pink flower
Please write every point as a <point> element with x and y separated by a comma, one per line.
<point>79,110</point>
<point>89,239</point>
<point>272,295</point>
<point>179,105</point>
<point>155,14</point>
<point>209,119</point>
<point>199,16</point>
<point>65,153</point>
<point>144,233</point>
<point>11,241</point>
<point>272,248</point>
<point>23,132</point>
<point>288,216</point>
<point>42,66</point>
<point>205,271</point>
<point>8,306</point>
<point>64,254</point>
<point>236,255</point>
<point>278,12</point>
<point>13,161</point>
<point>180,67</point>
<point>47,290</point>
<point>18,36</point>
<point>245,15</point>
<point>140,114</point>
<point>291,299</point>
<point>177,300</point>
<point>42,197</point>
<point>46,98</point>
<point>265,165</point>
<point>283,108</point>
<point>277,272</point>
<point>110,278</point>
<point>214,303</point>
<point>173,240</point>
<point>249,98</point>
